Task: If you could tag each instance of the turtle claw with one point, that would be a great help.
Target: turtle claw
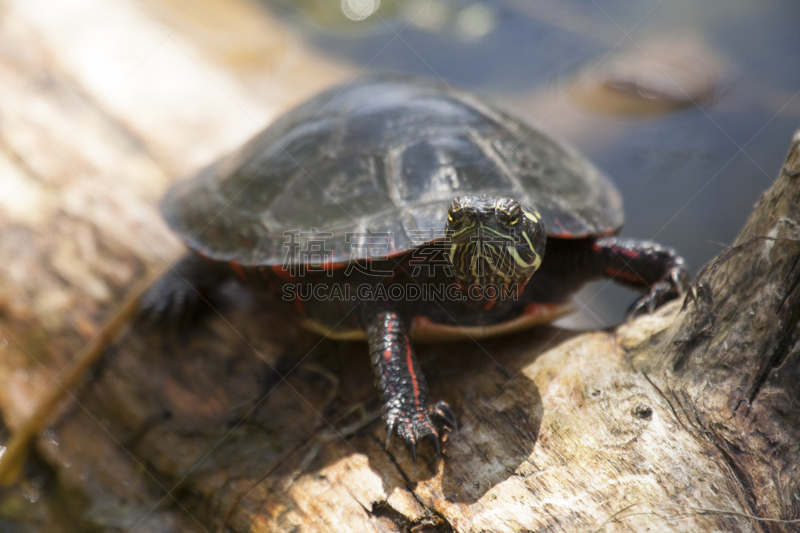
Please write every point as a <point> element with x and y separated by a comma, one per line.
<point>170,302</point>
<point>646,303</point>
<point>671,286</point>
<point>436,444</point>
<point>679,278</point>
<point>176,300</point>
<point>389,433</point>
<point>443,412</point>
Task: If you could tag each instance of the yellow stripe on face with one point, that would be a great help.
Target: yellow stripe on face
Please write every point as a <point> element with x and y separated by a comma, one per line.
<point>533,215</point>
<point>528,240</point>
<point>491,231</point>
<point>536,262</point>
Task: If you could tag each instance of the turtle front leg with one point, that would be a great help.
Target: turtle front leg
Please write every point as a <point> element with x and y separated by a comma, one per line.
<point>405,392</point>
<point>642,265</point>
<point>175,298</point>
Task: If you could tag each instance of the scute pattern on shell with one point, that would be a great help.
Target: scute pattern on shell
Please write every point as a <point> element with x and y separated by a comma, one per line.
<point>388,154</point>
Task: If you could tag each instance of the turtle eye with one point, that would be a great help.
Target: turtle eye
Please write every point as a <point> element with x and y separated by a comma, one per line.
<point>514,216</point>
<point>454,216</point>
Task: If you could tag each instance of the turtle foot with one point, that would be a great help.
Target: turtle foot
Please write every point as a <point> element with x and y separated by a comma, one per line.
<point>417,424</point>
<point>671,286</point>
<point>177,298</point>
<point>171,301</point>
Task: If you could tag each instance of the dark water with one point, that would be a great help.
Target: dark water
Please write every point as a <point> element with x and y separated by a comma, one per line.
<point>688,105</point>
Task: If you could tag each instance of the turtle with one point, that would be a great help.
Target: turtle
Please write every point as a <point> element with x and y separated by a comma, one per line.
<point>395,208</point>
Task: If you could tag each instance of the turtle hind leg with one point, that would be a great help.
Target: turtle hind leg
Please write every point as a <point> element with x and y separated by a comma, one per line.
<point>178,296</point>
<point>405,393</point>
<point>644,265</point>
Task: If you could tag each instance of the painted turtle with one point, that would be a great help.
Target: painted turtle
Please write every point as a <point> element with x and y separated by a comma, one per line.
<point>393,209</point>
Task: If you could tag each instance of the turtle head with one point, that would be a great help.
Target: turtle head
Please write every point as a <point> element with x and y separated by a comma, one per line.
<point>494,240</point>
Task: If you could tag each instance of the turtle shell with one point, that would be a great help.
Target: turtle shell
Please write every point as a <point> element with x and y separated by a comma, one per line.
<point>368,168</point>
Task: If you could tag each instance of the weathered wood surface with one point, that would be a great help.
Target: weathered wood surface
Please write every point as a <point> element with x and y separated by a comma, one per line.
<point>687,420</point>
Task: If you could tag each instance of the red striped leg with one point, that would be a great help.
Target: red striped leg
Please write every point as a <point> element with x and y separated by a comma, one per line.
<point>403,386</point>
<point>644,265</point>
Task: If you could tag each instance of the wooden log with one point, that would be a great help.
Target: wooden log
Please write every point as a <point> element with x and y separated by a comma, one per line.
<point>686,420</point>
<point>730,367</point>
<point>680,421</point>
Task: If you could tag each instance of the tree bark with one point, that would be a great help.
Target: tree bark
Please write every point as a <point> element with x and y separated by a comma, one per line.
<point>685,420</point>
